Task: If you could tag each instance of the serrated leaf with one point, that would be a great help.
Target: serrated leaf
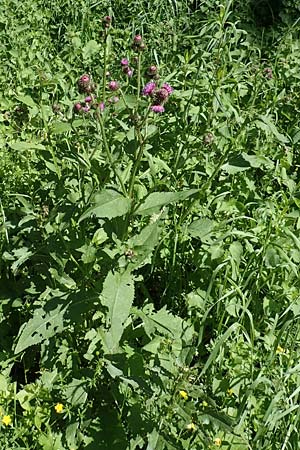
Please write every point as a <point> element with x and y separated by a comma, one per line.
<point>156,200</point>
<point>75,392</point>
<point>42,326</point>
<point>117,296</point>
<point>266,124</point>
<point>27,100</point>
<point>90,49</point>
<point>61,127</point>
<point>144,243</point>
<point>108,204</point>
<point>22,145</point>
<point>201,228</point>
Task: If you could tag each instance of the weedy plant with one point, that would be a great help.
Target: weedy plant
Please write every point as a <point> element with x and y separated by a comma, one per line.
<point>149,271</point>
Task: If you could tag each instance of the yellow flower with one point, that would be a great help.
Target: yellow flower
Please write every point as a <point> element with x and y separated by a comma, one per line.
<point>183,395</point>
<point>280,349</point>
<point>204,404</point>
<point>191,426</point>
<point>6,420</point>
<point>229,392</point>
<point>59,407</point>
<point>218,442</point>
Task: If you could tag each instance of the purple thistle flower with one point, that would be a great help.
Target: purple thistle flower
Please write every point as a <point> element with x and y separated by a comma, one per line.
<point>152,70</point>
<point>113,85</point>
<point>114,99</point>
<point>86,109</point>
<point>161,95</point>
<point>128,71</point>
<point>101,106</point>
<point>137,39</point>
<point>149,88</point>
<point>157,108</point>
<point>269,73</point>
<point>168,88</point>
<point>88,99</point>
<point>84,79</point>
<point>77,106</point>
<point>124,62</point>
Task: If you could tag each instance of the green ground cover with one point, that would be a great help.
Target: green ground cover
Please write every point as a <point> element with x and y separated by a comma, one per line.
<point>149,225</point>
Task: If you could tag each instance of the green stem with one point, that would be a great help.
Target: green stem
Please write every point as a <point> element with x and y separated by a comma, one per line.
<point>104,65</point>
<point>108,153</point>
<point>138,79</point>
<point>137,161</point>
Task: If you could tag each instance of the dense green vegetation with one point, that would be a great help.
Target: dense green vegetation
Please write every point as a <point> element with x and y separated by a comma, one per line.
<point>149,225</point>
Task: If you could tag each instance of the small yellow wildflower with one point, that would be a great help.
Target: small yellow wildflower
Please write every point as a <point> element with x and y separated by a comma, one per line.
<point>204,404</point>
<point>280,350</point>
<point>191,426</point>
<point>6,420</point>
<point>183,395</point>
<point>218,442</point>
<point>59,407</point>
<point>229,392</point>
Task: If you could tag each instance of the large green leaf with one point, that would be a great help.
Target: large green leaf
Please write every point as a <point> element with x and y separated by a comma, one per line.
<point>108,203</point>
<point>42,326</point>
<point>156,200</point>
<point>117,296</point>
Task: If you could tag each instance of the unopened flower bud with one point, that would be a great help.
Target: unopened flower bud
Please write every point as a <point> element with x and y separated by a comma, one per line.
<point>208,139</point>
<point>137,39</point>
<point>113,85</point>
<point>77,107</point>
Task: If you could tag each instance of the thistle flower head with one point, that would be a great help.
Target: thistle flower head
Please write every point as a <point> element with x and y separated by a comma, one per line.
<point>137,39</point>
<point>77,107</point>
<point>157,108</point>
<point>161,96</point>
<point>88,99</point>
<point>113,85</point>
<point>168,88</point>
<point>101,106</point>
<point>124,62</point>
<point>85,84</point>
<point>128,71</point>
<point>84,79</point>
<point>149,88</point>
<point>152,70</point>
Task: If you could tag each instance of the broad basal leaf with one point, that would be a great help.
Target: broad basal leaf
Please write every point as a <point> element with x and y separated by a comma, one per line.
<point>108,204</point>
<point>117,296</point>
<point>156,200</point>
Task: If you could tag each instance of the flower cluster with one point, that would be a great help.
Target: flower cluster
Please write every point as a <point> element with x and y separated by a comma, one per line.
<point>268,73</point>
<point>138,43</point>
<point>126,68</point>
<point>90,102</point>
<point>86,85</point>
<point>159,95</point>
<point>106,21</point>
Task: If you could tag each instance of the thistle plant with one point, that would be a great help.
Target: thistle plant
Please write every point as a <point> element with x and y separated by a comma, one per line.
<point>147,95</point>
